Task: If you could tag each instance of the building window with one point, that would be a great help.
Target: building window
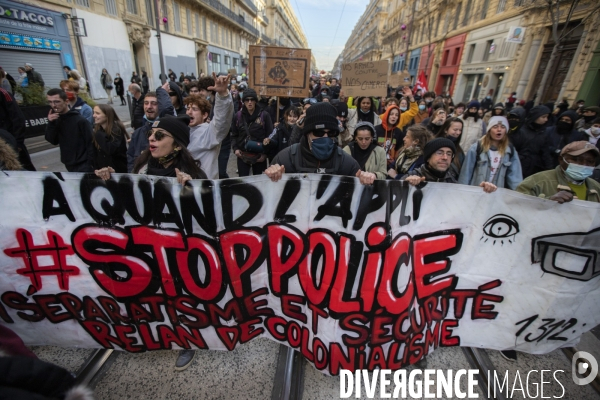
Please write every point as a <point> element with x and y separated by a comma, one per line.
<point>236,62</point>
<point>501,6</point>
<point>227,61</point>
<point>111,7</point>
<point>471,52</point>
<point>223,37</point>
<point>445,58</point>
<point>488,47</point>
<point>188,20</point>
<point>150,13</point>
<point>204,35</point>
<point>456,18</point>
<point>176,17</point>
<point>84,3</point>
<point>214,34</point>
<point>519,3</point>
<point>164,12</point>
<point>216,62</point>
<point>484,8</point>
<point>132,6</point>
<point>456,54</point>
<point>198,30</point>
<point>436,26</point>
<point>467,13</point>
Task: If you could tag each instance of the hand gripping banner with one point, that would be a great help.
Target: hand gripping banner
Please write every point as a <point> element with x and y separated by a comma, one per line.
<point>351,276</point>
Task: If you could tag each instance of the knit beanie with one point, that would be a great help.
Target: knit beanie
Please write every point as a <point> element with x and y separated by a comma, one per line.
<point>474,103</point>
<point>176,126</point>
<point>249,93</point>
<point>321,116</point>
<point>342,109</point>
<point>436,144</point>
<point>497,119</point>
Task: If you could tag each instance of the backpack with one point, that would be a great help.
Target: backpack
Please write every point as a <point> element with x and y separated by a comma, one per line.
<point>296,156</point>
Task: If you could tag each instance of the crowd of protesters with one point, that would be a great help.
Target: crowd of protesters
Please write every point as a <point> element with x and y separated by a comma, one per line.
<point>188,127</point>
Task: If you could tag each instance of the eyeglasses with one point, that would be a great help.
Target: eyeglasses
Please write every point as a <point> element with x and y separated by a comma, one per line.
<point>249,99</point>
<point>442,153</point>
<point>158,135</point>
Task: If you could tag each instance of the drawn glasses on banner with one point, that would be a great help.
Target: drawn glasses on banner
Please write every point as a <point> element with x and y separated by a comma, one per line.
<point>570,255</point>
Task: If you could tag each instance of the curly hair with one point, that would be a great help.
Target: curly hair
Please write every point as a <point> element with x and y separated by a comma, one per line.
<point>197,100</point>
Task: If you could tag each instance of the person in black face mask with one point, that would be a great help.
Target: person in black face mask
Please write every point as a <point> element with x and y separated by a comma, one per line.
<point>317,151</point>
<point>532,142</point>
<point>516,118</point>
<point>563,133</point>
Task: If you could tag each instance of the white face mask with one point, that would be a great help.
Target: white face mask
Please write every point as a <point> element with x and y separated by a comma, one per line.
<point>595,130</point>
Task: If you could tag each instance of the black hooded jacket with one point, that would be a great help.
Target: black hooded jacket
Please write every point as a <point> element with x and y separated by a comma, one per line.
<point>559,139</point>
<point>73,133</point>
<point>533,144</point>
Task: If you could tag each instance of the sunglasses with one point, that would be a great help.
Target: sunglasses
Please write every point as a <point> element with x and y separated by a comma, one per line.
<point>322,132</point>
<point>158,135</point>
<point>249,99</point>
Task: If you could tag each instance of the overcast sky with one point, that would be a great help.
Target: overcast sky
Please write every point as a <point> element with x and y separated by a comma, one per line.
<point>320,18</point>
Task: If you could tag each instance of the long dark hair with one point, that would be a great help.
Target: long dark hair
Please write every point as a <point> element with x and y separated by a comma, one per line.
<point>184,162</point>
<point>459,150</point>
<point>113,123</point>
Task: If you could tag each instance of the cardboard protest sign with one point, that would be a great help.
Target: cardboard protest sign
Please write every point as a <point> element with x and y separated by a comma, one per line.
<point>353,276</point>
<point>399,79</point>
<point>365,78</point>
<point>279,71</point>
<point>232,72</point>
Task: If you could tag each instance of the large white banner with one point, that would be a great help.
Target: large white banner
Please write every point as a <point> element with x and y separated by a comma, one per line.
<point>352,276</point>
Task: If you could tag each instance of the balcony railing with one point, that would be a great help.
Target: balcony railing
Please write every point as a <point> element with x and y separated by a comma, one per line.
<point>265,38</point>
<point>238,19</point>
<point>250,5</point>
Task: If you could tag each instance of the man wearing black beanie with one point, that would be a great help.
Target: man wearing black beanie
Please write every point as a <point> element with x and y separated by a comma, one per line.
<point>438,154</point>
<point>317,151</point>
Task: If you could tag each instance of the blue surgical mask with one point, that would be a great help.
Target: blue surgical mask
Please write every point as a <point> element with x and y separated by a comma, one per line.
<point>422,107</point>
<point>322,148</point>
<point>578,172</point>
<point>403,108</point>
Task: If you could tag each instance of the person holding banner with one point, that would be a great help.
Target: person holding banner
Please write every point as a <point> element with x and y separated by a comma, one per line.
<point>438,155</point>
<point>317,151</point>
<point>364,149</point>
<point>571,179</point>
<point>492,159</point>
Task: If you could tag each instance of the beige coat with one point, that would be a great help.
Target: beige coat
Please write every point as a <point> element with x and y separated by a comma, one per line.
<point>376,163</point>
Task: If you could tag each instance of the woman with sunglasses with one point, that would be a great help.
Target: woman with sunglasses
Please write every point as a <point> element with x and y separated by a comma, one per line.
<point>168,154</point>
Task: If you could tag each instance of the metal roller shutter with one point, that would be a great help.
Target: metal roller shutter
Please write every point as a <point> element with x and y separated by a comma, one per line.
<point>47,64</point>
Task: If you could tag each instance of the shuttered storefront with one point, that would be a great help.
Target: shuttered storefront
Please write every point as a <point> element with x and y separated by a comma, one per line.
<point>47,64</point>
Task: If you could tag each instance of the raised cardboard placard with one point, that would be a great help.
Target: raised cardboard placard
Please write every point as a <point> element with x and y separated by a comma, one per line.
<point>365,78</point>
<point>279,71</point>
